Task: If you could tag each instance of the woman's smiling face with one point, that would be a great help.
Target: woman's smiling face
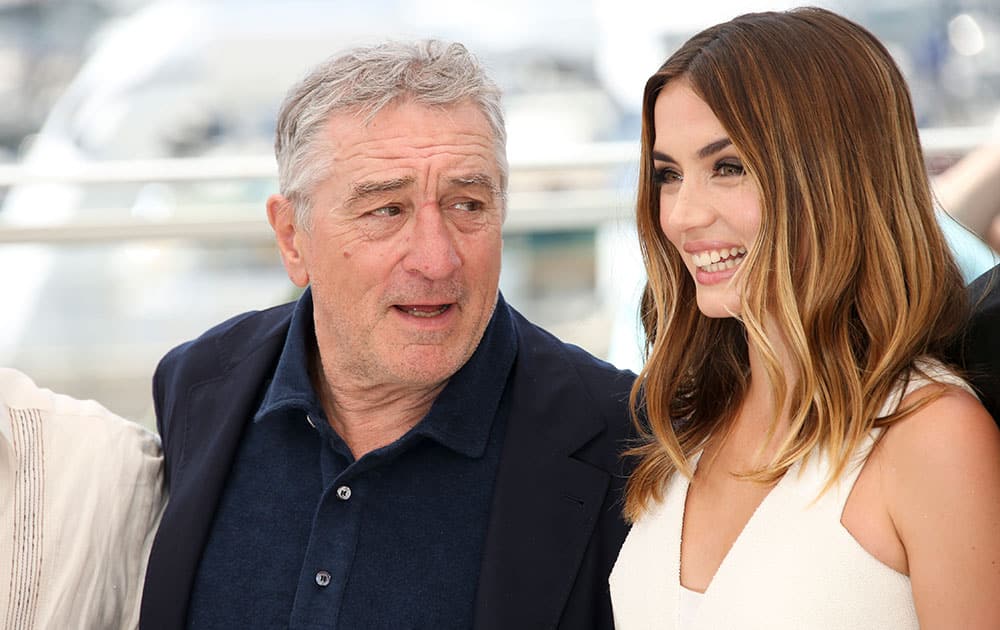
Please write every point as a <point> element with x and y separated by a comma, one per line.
<point>709,205</point>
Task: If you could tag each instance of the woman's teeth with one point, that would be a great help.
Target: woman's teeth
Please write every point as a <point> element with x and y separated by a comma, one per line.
<point>719,259</point>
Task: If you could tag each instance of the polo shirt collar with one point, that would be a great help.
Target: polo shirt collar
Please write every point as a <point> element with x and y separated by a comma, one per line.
<point>462,415</point>
<point>291,387</point>
<point>460,418</point>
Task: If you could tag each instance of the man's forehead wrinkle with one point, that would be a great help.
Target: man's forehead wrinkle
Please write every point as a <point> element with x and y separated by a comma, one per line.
<point>365,164</point>
<point>412,146</point>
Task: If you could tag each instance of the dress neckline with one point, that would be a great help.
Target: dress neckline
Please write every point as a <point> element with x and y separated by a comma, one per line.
<point>739,537</point>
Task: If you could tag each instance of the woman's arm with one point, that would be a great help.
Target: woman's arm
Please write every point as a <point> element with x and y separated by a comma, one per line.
<point>942,477</point>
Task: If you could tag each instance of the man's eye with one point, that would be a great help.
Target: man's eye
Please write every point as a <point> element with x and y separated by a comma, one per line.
<point>667,176</point>
<point>468,206</point>
<point>730,169</point>
<point>385,211</point>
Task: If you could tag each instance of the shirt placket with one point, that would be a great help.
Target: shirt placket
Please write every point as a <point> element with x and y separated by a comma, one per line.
<point>333,537</point>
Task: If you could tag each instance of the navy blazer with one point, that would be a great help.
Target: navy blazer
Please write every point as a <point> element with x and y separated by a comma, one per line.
<point>978,350</point>
<point>555,525</point>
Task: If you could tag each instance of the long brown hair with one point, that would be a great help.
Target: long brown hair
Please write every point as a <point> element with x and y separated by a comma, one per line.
<point>849,261</point>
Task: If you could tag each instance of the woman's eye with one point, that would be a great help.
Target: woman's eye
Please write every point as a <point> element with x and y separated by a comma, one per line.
<point>730,169</point>
<point>667,176</point>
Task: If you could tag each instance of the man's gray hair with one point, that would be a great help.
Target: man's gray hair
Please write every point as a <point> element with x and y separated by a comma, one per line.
<point>364,80</point>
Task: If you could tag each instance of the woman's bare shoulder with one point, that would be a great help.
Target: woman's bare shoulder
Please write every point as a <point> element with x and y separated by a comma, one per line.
<point>941,478</point>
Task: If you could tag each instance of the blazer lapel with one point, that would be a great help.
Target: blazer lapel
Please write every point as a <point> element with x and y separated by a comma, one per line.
<point>212,415</point>
<point>546,502</point>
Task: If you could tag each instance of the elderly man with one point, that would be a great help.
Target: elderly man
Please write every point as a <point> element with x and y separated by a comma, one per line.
<point>81,492</point>
<point>399,448</point>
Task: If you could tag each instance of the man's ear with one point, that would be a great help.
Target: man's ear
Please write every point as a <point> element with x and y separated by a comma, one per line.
<point>290,238</point>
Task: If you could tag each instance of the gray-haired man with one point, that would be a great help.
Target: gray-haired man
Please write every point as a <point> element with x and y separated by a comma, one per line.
<point>399,448</point>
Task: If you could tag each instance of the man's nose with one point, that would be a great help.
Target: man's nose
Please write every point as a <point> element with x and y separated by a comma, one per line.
<point>431,247</point>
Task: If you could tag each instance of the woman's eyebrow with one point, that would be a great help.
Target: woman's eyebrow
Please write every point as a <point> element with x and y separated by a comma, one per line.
<point>714,147</point>
<point>709,149</point>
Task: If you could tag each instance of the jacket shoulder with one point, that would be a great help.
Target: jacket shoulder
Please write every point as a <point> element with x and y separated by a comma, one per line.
<point>573,378</point>
<point>542,345</point>
<point>226,343</point>
<point>214,354</point>
<point>977,351</point>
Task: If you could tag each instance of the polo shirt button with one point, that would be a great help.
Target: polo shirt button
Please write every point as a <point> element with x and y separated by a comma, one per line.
<point>343,493</point>
<point>323,578</point>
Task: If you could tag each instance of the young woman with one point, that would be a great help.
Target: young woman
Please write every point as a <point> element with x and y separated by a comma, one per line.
<point>806,459</point>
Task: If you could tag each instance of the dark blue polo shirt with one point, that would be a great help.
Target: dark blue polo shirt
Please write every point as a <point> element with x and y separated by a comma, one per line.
<point>306,536</point>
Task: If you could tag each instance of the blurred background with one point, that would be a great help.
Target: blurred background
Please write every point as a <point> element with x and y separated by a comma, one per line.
<point>135,157</point>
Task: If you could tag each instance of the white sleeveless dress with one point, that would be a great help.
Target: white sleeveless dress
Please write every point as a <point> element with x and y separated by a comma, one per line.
<point>793,566</point>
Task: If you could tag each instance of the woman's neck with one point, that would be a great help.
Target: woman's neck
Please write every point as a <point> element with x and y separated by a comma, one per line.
<point>760,410</point>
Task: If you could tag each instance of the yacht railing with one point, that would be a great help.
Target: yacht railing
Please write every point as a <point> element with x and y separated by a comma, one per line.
<point>576,187</point>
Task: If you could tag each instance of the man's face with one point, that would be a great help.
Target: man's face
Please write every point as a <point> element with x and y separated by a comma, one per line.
<point>404,244</point>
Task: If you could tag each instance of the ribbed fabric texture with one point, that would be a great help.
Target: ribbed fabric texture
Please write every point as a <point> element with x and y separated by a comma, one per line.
<point>81,493</point>
<point>25,549</point>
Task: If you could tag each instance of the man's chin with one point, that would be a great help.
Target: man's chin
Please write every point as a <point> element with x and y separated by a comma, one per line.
<point>427,365</point>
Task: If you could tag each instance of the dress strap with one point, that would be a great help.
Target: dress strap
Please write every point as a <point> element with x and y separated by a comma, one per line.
<point>926,371</point>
